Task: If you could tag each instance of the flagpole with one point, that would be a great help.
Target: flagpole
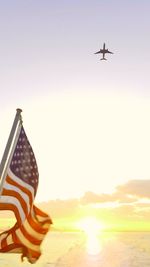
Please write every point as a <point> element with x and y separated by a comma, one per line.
<point>17,121</point>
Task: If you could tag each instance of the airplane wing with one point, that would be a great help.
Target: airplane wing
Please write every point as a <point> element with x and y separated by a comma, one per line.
<point>98,52</point>
<point>109,52</point>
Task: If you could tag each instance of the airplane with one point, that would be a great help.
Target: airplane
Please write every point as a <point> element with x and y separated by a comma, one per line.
<point>103,51</point>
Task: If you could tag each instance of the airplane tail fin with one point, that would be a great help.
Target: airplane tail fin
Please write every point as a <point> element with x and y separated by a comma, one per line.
<point>103,58</point>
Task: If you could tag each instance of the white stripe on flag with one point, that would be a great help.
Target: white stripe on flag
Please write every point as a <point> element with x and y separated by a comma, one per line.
<point>18,190</point>
<point>9,239</point>
<point>41,218</point>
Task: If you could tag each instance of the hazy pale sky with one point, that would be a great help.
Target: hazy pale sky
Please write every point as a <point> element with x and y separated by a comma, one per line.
<point>87,120</point>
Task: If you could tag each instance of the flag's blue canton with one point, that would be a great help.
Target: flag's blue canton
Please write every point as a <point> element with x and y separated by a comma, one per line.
<point>23,163</point>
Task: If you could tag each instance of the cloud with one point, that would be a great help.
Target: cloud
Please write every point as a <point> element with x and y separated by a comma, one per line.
<point>118,196</point>
<point>130,193</point>
<point>90,197</point>
<point>127,193</point>
<point>60,208</point>
<point>138,188</point>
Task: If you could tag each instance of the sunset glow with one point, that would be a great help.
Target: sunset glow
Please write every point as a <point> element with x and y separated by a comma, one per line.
<point>90,225</point>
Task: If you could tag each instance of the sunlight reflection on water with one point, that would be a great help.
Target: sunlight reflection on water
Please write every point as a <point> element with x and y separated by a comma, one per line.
<point>91,228</point>
<point>93,245</point>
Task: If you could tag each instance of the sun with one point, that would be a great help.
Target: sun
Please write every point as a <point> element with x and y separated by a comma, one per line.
<point>90,225</point>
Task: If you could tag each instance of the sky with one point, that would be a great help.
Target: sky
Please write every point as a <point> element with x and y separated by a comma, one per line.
<point>87,120</point>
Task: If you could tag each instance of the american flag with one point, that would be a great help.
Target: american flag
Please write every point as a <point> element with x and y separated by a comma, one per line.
<point>18,193</point>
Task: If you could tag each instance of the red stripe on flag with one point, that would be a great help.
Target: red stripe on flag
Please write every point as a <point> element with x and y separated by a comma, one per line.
<point>36,225</point>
